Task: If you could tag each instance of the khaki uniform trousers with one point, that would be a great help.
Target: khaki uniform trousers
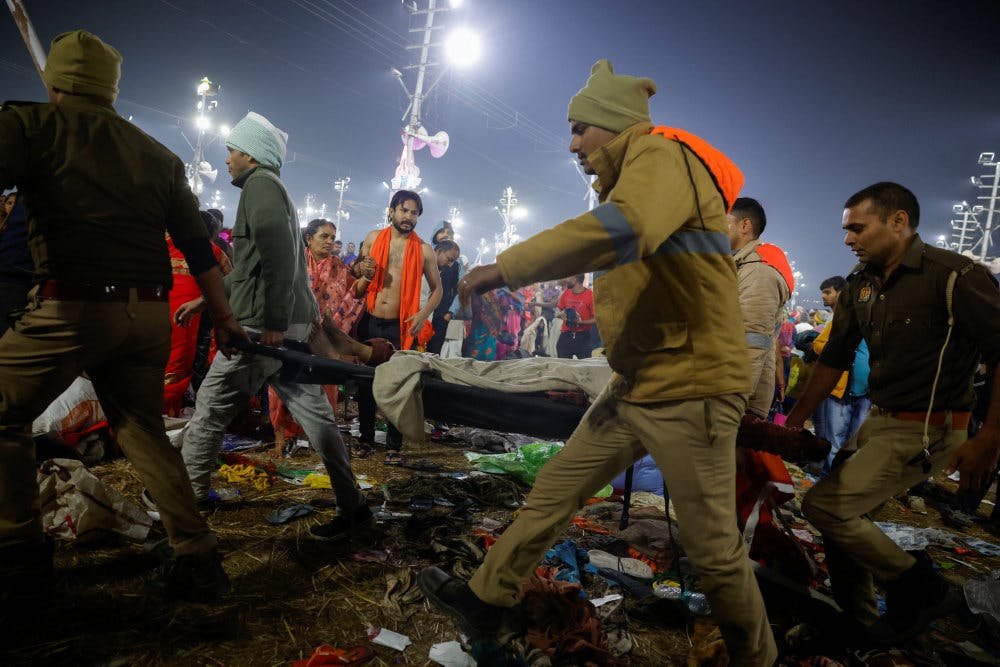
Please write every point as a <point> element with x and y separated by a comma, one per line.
<point>883,466</point>
<point>123,347</point>
<point>762,380</point>
<point>694,445</point>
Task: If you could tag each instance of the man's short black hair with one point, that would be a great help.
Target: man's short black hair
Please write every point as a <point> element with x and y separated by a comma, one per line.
<point>748,207</point>
<point>401,196</point>
<point>836,282</point>
<point>446,246</point>
<point>887,198</point>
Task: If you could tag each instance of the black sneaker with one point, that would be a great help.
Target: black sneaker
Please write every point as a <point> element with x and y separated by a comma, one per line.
<point>477,619</point>
<point>193,577</point>
<point>147,500</point>
<point>344,526</point>
<point>919,596</point>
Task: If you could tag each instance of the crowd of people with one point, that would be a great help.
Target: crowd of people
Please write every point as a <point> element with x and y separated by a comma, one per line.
<point>674,251</point>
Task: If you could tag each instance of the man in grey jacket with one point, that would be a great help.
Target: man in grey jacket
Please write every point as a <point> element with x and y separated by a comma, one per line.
<point>270,295</point>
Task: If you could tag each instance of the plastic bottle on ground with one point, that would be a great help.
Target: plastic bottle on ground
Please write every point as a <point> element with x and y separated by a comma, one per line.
<point>695,601</point>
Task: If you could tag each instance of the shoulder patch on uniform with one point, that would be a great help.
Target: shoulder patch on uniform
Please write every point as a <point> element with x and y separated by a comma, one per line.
<point>950,259</point>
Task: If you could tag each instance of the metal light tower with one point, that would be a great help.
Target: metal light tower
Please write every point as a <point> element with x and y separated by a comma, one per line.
<point>966,229</point>
<point>341,186</point>
<point>456,221</point>
<point>461,48</point>
<point>310,210</point>
<point>407,175</point>
<point>481,251</point>
<point>508,211</point>
<point>991,184</point>
<point>199,170</point>
<point>591,196</point>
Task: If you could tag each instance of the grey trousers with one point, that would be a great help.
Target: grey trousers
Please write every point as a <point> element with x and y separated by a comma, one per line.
<point>229,385</point>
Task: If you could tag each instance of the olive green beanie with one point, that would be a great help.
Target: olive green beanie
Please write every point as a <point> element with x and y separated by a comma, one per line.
<point>81,64</point>
<point>612,101</point>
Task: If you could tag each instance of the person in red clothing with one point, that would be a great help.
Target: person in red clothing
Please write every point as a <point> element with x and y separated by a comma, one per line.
<point>184,340</point>
<point>577,305</point>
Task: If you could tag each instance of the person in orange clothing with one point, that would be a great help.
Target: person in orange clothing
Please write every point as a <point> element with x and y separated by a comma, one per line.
<point>333,286</point>
<point>392,301</point>
<point>184,340</point>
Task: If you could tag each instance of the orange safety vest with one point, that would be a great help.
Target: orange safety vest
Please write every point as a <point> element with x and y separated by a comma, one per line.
<point>727,176</point>
<point>774,257</point>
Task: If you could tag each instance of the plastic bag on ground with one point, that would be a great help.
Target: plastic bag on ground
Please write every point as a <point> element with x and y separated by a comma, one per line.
<point>450,654</point>
<point>77,505</point>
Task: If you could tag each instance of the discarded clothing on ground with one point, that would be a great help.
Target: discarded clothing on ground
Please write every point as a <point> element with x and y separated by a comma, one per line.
<point>563,625</point>
<point>484,490</point>
<point>485,440</point>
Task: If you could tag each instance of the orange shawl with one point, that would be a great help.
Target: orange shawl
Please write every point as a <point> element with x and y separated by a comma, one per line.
<point>409,290</point>
<point>727,176</point>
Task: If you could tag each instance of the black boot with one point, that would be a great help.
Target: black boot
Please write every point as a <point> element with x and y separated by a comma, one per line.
<point>344,527</point>
<point>916,598</point>
<point>477,619</point>
<point>191,577</point>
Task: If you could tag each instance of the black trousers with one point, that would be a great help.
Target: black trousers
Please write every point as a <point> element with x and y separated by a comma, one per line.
<point>436,342</point>
<point>376,327</point>
<point>574,343</point>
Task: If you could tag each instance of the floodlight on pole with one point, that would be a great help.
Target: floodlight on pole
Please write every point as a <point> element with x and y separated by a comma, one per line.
<point>463,47</point>
<point>199,170</point>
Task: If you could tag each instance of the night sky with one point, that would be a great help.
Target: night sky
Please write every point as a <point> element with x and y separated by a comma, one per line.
<point>812,100</point>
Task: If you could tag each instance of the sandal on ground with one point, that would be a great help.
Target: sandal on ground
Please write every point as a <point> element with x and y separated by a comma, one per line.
<point>360,450</point>
<point>393,458</point>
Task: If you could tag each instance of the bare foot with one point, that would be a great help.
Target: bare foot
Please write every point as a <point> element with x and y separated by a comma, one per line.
<point>328,341</point>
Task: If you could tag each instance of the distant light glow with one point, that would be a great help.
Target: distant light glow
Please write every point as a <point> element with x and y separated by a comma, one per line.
<point>455,4</point>
<point>202,123</point>
<point>224,130</point>
<point>519,213</point>
<point>463,47</point>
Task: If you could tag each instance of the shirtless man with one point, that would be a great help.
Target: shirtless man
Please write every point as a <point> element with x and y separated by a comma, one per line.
<point>389,271</point>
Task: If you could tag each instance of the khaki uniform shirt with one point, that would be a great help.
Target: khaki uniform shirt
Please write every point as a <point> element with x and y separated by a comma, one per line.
<point>666,305</point>
<point>905,321</point>
<point>99,193</point>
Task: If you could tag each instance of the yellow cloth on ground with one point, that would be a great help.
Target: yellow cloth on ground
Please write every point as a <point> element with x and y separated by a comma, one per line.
<point>246,474</point>
<point>317,481</point>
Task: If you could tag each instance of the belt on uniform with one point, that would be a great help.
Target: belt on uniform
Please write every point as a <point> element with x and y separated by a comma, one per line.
<point>59,290</point>
<point>959,418</point>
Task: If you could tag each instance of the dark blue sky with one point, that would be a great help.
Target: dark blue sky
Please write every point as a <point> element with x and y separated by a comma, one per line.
<point>812,100</point>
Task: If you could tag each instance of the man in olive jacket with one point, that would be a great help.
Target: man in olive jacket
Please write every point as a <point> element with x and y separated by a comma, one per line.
<point>270,295</point>
<point>664,308</point>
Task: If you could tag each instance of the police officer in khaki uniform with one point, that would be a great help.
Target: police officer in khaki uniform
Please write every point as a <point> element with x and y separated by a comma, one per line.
<point>100,194</point>
<point>928,315</point>
<point>681,369</point>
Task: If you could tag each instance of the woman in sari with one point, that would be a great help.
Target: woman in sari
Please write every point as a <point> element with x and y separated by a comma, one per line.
<point>184,340</point>
<point>332,285</point>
